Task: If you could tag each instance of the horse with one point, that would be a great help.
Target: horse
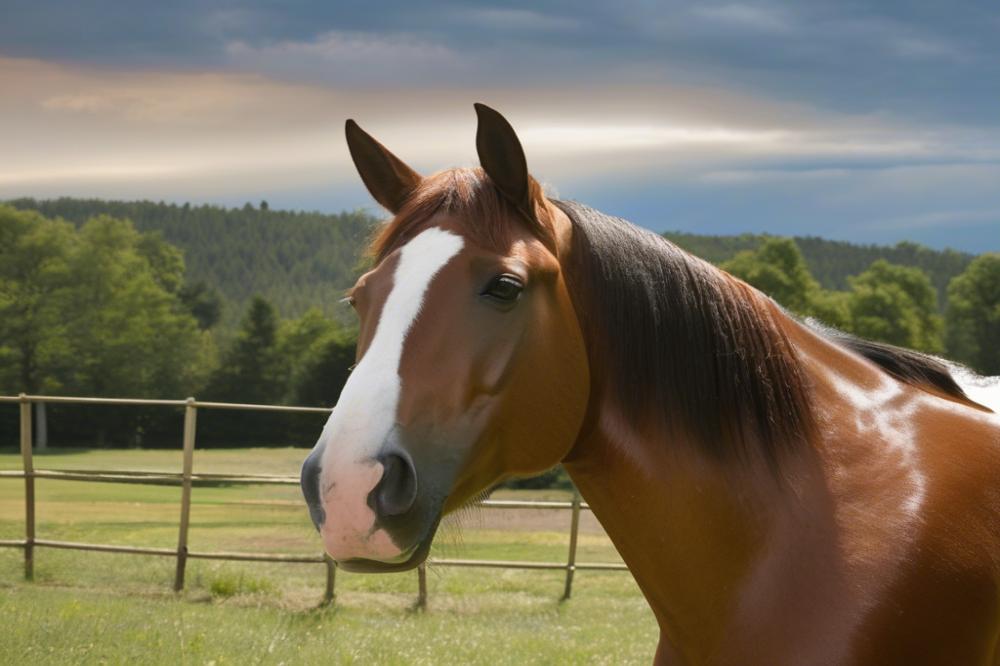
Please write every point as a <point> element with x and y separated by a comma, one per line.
<point>781,493</point>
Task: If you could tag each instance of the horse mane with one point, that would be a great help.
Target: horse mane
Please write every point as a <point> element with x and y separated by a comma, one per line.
<point>682,342</point>
<point>906,365</point>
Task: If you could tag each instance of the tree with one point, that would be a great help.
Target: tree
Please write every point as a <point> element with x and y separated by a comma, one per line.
<point>252,369</point>
<point>132,336</point>
<point>319,353</point>
<point>974,315</point>
<point>92,312</point>
<point>35,279</point>
<point>34,284</point>
<point>831,308</point>
<point>896,304</point>
<point>166,262</point>
<point>320,376</point>
<point>203,302</point>
<point>778,269</point>
<point>326,371</point>
<point>296,260</point>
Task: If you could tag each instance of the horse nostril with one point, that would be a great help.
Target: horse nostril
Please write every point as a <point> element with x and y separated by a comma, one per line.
<point>310,486</point>
<point>397,490</point>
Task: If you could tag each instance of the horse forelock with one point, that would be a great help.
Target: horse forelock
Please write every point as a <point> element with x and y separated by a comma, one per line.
<point>469,196</point>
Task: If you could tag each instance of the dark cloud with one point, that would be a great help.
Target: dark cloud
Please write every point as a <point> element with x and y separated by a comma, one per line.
<point>886,113</point>
<point>918,60</point>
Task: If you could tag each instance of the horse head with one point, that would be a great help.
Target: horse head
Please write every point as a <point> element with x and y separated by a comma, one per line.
<point>471,366</point>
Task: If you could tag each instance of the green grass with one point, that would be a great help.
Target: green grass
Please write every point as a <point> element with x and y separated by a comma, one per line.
<point>113,608</point>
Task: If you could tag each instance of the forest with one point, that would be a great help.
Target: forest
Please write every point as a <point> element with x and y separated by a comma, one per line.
<point>295,260</point>
<point>144,299</point>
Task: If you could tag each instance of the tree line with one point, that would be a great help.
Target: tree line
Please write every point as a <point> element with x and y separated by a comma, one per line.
<point>888,302</point>
<point>833,262</point>
<point>296,260</point>
<point>103,308</point>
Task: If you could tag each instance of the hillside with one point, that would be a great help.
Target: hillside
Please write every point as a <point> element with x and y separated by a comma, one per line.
<point>294,259</point>
<point>300,259</point>
<point>832,262</point>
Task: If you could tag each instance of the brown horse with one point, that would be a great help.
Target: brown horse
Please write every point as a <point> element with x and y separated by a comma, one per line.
<point>782,494</point>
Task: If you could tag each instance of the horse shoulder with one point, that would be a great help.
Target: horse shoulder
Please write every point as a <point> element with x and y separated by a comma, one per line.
<point>920,482</point>
<point>943,605</point>
<point>960,455</point>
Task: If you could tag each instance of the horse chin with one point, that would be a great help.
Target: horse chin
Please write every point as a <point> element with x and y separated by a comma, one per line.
<point>406,561</point>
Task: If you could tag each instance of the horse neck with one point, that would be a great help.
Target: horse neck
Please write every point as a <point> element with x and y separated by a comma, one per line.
<point>720,547</point>
<point>706,539</point>
<point>688,535</point>
<point>680,530</point>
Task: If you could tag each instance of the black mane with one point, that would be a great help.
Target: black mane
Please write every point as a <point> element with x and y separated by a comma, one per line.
<point>675,339</point>
<point>905,365</point>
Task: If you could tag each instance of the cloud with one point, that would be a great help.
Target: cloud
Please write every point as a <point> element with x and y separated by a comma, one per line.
<point>862,182</point>
<point>756,114</point>
<point>525,20</point>
<point>598,137</point>
<point>909,60</point>
<point>744,16</point>
<point>903,40</point>
<point>739,177</point>
<point>914,47</point>
<point>942,205</point>
<point>95,123</point>
<point>350,57</point>
<point>78,103</point>
<point>954,205</point>
<point>943,218</point>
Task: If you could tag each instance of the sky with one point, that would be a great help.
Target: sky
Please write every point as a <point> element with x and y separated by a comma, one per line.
<point>872,122</point>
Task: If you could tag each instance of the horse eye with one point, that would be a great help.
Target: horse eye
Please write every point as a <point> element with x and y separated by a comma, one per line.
<point>504,288</point>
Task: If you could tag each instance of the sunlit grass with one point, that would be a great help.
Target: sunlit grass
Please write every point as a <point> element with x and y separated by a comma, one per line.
<point>97,607</point>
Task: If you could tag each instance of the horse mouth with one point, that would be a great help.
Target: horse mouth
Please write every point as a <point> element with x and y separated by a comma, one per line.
<point>416,556</point>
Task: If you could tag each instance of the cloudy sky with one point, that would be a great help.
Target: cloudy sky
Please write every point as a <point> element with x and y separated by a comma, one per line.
<point>864,121</point>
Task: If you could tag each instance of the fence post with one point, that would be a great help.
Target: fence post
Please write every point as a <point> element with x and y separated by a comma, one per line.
<point>190,419</point>
<point>574,529</point>
<point>29,489</point>
<point>331,579</point>
<point>421,586</point>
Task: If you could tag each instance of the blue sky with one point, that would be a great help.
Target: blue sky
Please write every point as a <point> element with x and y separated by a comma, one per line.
<point>870,122</point>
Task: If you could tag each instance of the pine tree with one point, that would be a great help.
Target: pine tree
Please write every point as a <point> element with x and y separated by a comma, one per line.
<point>251,370</point>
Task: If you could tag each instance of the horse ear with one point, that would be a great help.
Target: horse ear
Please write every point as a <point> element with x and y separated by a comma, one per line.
<point>502,158</point>
<point>386,176</point>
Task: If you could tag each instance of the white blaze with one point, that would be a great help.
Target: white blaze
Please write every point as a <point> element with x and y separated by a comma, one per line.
<point>365,415</point>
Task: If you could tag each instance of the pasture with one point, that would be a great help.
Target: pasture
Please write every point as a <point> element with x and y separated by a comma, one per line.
<point>115,608</point>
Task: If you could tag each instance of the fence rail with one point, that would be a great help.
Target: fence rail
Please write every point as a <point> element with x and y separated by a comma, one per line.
<point>187,479</point>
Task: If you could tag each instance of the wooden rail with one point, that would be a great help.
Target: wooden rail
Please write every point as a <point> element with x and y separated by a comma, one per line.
<point>187,479</point>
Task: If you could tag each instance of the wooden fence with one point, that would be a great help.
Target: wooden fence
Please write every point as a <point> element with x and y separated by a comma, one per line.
<point>187,478</point>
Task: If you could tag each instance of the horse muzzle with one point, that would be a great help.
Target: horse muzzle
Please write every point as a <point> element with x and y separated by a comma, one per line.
<point>369,512</point>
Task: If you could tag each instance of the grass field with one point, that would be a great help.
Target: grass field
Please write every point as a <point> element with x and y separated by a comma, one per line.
<point>116,608</point>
